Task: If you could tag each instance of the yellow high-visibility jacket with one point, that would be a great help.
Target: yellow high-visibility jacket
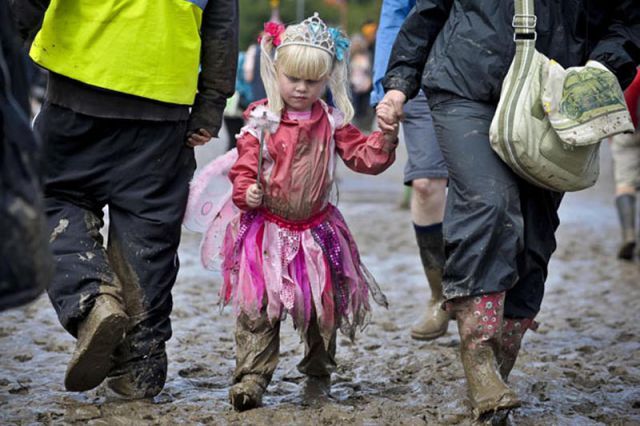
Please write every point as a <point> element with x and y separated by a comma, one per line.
<point>147,48</point>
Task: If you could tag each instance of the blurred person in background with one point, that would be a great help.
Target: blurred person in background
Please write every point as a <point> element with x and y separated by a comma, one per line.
<point>25,259</point>
<point>360,68</point>
<point>625,150</point>
<point>425,172</point>
<point>236,104</point>
<point>120,119</point>
<point>251,69</point>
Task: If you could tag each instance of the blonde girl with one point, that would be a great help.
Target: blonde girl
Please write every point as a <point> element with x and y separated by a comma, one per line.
<point>288,250</point>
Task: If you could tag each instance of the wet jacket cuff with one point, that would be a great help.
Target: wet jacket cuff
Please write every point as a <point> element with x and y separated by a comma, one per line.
<point>401,84</point>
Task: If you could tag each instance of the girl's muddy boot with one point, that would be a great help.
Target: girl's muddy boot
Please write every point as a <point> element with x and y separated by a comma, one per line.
<point>435,321</point>
<point>247,393</point>
<point>512,333</point>
<point>480,327</point>
<point>626,205</point>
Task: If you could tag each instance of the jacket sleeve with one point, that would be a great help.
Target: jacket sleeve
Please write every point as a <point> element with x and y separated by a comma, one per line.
<point>218,60</point>
<point>363,154</point>
<point>413,44</point>
<point>392,15</point>
<point>28,16</point>
<point>244,172</point>
<point>619,48</point>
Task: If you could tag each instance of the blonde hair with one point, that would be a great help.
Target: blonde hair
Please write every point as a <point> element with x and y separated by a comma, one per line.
<point>308,63</point>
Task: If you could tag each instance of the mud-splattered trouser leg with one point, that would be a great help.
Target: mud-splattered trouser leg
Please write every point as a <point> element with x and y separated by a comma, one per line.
<point>498,229</point>
<point>141,170</point>
<point>319,359</point>
<point>258,350</point>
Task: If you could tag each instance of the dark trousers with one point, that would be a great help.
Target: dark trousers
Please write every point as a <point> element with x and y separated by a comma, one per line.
<point>499,230</point>
<point>141,170</point>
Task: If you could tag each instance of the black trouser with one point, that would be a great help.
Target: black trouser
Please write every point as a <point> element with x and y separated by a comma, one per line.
<point>498,229</point>
<point>141,170</point>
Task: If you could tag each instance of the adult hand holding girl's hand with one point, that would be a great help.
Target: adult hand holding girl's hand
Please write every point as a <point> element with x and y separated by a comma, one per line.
<point>389,110</point>
<point>254,196</point>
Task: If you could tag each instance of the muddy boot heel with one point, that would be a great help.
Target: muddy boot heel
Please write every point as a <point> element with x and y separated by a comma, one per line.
<point>140,379</point>
<point>98,336</point>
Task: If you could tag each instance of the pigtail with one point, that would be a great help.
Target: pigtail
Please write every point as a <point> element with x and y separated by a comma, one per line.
<point>269,76</point>
<point>340,89</point>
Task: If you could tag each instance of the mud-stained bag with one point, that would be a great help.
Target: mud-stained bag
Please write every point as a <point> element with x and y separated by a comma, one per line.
<point>549,122</point>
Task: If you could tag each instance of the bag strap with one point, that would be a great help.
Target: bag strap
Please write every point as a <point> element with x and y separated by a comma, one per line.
<point>524,22</point>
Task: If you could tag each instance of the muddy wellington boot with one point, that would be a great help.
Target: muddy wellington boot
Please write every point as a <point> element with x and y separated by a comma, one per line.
<point>98,336</point>
<point>247,393</point>
<point>480,327</point>
<point>512,333</point>
<point>435,320</point>
<point>626,206</point>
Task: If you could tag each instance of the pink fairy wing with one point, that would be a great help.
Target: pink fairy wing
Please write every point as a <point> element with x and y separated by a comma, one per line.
<point>211,253</point>
<point>209,191</point>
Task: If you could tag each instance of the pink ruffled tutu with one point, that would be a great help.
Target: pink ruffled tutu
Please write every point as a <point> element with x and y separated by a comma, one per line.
<point>301,268</point>
<point>309,269</point>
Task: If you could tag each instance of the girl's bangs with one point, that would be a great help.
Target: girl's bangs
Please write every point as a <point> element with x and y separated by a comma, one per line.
<point>304,62</point>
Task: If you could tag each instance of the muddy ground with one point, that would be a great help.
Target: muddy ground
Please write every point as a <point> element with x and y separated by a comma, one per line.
<point>581,368</point>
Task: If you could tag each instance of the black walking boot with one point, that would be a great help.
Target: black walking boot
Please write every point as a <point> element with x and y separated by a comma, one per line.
<point>626,205</point>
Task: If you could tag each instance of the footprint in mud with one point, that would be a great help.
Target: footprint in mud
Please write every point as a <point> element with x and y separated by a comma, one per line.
<point>586,349</point>
<point>23,357</point>
<point>57,347</point>
<point>196,371</point>
<point>19,389</point>
<point>7,331</point>
<point>389,326</point>
<point>575,323</point>
<point>626,336</point>
<point>541,389</point>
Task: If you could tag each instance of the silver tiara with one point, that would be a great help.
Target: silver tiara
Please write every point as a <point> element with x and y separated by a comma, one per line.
<point>310,32</point>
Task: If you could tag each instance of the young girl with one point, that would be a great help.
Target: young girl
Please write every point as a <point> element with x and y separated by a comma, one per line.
<point>288,249</point>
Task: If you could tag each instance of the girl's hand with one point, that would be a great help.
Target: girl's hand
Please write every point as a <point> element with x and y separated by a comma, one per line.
<point>254,196</point>
<point>389,110</point>
<point>198,138</point>
<point>391,138</point>
<point>388,120</point>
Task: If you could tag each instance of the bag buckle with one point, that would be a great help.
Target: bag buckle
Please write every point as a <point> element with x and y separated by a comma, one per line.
<point>530,36</point>
<point>521,20</point>
<point>525,27</point>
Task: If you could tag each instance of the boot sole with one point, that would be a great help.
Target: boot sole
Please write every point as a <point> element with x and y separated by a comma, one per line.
<point>506,401</point>
<point>91,364</point>
<point>423,337</point>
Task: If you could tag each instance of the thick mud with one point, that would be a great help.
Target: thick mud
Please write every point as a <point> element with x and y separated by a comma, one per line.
<point>582,367</point>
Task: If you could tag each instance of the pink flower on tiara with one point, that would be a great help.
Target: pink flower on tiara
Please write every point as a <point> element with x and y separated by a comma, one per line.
<point>273,30</point>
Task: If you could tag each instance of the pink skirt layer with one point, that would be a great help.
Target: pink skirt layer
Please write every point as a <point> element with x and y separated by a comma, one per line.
<point>311,271</point>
